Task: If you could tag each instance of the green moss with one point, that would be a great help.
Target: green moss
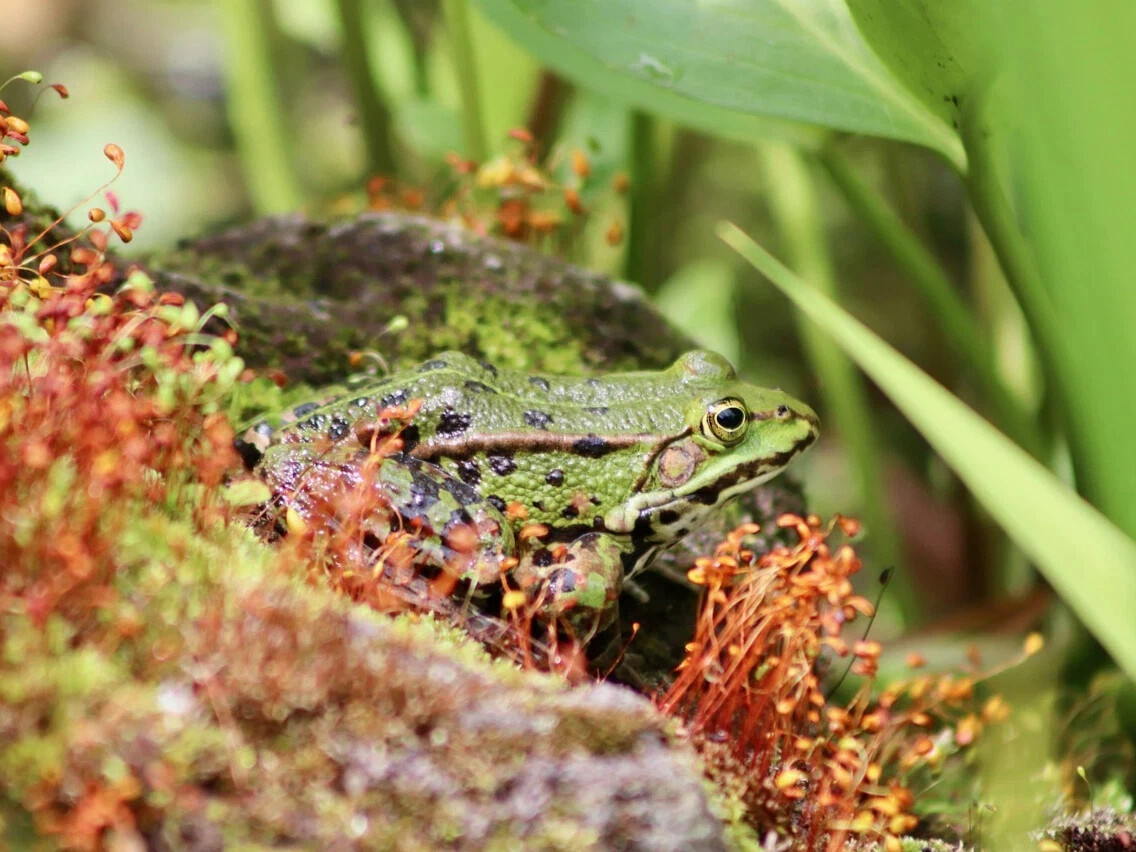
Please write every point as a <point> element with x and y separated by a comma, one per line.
<point>504,331</point>
<point>290,712</point>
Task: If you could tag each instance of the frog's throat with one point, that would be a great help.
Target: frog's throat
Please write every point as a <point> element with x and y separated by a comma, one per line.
<point>590,445</point>
<point>625,518</point>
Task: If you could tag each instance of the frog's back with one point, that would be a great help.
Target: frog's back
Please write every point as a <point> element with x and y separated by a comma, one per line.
<point>461,395</point>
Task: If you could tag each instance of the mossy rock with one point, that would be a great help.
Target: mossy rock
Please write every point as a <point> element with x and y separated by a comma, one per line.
<point>247,709</point>
<point>306,294</point>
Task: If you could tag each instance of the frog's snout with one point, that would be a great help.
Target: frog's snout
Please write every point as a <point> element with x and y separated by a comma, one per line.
<point>809,416</point>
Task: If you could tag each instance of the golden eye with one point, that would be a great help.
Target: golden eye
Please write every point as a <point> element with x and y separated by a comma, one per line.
<point>725,421</point>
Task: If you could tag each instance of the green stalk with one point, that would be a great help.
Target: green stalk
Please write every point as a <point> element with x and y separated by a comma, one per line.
<point>457,25</point>
<point>991,206</point>
<point>374,117</point>
<point>793,203</point>
<point>418,16</point>
<point>967,340</point>
<point>256,112</point>
<point>642,162</point>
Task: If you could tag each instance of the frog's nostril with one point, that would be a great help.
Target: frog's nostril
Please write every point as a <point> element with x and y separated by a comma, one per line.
<point>782,411</point>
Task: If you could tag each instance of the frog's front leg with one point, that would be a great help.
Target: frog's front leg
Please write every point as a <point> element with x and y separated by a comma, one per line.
<point>578,588</point>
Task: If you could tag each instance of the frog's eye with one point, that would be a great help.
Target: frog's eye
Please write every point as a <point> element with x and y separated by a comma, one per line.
<point>725,421</point>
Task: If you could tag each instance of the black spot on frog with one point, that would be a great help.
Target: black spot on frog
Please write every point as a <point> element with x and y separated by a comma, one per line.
<point>538,419</point>
<point>453,422</point>
<point>501,464</point>
<point>592,447</point>
<point>478,387</point>
<point>339,429</point>
<point>397,398</point>
<point>469,472</point>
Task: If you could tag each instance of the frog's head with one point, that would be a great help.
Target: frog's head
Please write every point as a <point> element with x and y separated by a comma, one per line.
<point>737,436</point>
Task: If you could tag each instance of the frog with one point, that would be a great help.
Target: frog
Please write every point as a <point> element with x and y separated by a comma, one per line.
<point>570,485</point>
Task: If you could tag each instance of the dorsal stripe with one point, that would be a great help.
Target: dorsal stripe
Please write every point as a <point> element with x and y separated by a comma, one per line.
<point>513,442</point>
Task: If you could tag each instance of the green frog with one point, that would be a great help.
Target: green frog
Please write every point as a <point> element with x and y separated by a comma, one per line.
<point>571,484</point>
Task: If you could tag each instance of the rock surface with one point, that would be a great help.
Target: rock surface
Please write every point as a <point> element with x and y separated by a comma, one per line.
<point>305,294</point>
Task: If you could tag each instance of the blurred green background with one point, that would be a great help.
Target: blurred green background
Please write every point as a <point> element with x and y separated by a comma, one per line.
<point>235,108</point>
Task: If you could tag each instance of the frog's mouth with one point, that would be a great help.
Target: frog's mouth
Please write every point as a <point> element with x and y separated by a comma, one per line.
<point>668,515</point>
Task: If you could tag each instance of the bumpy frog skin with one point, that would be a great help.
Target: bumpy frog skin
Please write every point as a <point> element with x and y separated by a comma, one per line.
<point>617,467</point>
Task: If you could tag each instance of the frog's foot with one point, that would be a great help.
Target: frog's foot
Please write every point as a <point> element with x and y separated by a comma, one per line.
<point>581,589</point>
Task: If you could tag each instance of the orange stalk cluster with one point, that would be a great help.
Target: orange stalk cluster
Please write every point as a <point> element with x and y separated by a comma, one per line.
<point>751,695</point>
<point>107,398</point>
<point>341,525</point>
<point>519,195</point>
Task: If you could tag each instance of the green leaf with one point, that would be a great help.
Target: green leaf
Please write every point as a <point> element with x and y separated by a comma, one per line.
<point>1090,562</point>
<point>716,63</point>
<point>931,45</point>
<point>1054,186</point>
<point>1041,92</point>
<point>629,91</point>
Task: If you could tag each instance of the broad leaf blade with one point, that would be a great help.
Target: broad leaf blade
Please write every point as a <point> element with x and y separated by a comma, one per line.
<point>1084,556</point>
<point>1042,91</point>
<point>712,62</point>
<point>933,46</point>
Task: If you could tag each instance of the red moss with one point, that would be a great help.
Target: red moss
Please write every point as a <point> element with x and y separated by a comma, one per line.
<point>751,695</point>
<point>104,400</point>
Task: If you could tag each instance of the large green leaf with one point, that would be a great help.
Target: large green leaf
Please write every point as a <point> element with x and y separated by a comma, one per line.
<point>715,63</point>
<point>1090,562</point>
<point>1055,185</point>
<point>1042,92</point>
<point>933,46</point>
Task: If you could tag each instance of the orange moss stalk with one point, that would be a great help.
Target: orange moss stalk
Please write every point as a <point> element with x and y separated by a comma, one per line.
<point>517,195</point>
<point>106,399</point>
<point>750,693</point>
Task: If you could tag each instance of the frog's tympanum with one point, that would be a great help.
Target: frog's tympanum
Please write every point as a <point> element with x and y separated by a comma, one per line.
<point>581,480</point>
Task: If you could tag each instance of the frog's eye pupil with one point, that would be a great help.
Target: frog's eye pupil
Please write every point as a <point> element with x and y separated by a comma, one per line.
<point>725,421</point>
<point>730,418</point>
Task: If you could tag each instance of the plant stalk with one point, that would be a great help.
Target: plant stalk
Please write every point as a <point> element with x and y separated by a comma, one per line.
<point>456,13</point>
<point>962,330</point>
<point>255,108</point>
<point>373,115</point>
